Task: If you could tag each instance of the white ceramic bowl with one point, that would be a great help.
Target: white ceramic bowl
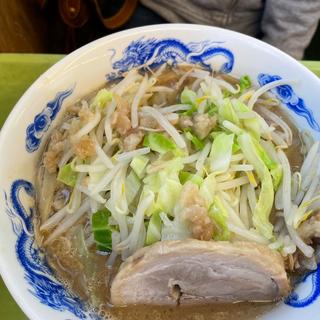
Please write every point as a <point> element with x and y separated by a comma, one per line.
<point>23,136</point>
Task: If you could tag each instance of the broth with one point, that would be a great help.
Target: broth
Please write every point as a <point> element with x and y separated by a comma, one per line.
<point>240,311</point>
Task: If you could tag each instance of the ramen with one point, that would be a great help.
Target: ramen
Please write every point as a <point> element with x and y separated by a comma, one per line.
<point>178,187</point>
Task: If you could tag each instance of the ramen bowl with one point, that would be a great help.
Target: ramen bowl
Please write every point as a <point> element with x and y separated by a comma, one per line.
<point>24,135</point>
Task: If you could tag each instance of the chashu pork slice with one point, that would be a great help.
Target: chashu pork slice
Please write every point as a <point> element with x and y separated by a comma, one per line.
<point>196,272</point>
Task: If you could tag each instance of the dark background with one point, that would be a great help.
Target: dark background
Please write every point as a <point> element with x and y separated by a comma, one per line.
<point>46,26</point>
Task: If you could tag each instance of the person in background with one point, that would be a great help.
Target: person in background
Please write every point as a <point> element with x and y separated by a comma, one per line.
<point>286,24</point>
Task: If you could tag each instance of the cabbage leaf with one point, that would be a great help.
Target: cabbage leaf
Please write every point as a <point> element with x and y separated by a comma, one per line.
<point>221,151</point>
<point>158,142</point>
<point>219,215</point>
<point>154,229</point>
<point>265,201</point>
